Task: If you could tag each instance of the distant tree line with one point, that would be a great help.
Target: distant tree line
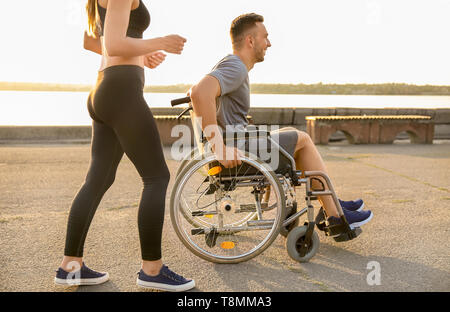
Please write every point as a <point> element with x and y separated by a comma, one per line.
<point>349,89</point>
<point>36,86</point>
<point>318,88</point>
<point>179,88</point>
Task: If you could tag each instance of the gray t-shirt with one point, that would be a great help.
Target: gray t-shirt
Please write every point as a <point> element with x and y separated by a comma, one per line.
<point>233,103</point>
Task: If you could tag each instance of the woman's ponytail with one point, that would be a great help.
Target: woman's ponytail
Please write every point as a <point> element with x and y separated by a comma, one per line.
<point>91,10</point>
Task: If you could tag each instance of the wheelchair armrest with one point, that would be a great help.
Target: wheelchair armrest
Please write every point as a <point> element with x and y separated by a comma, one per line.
<point>233,136</point>
<point>252,134</point>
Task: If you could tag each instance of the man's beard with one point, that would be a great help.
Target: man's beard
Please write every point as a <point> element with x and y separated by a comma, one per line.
<point>259,56</point>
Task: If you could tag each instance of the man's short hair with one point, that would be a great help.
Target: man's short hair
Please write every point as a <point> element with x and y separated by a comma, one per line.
<point>241,25</point>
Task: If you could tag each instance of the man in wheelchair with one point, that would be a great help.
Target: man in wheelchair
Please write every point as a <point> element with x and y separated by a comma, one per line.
<point>222,99</point>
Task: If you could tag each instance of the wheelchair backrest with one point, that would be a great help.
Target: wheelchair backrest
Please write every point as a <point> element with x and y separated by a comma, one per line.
<point>286,163</point>
<point>198,132</point>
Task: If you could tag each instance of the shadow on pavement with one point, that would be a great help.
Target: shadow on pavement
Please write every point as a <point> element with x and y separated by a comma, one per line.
<point>332,269</point>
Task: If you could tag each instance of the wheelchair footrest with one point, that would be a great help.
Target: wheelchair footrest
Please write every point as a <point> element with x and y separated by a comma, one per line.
<point>339,232</point>
<point>342,233</point>
<point>344,237</point>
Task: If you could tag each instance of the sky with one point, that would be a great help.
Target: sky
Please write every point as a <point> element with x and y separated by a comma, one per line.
<point>328,41</point>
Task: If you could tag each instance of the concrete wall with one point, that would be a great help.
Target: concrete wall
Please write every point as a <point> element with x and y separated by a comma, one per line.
<point>296,116</point>
<point>283,117</point>
<point>36,134</point>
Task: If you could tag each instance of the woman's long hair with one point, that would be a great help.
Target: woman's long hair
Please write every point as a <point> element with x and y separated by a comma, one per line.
<point>91,10</point>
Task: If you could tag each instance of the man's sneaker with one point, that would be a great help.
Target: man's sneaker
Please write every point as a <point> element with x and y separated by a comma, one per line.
<point>166,280</point>
<point>353,205</point>
<point>354,218</point>
<point>84,276</point>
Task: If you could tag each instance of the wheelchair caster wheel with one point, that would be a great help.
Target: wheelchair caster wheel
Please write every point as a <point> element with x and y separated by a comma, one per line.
<point>296,239</point>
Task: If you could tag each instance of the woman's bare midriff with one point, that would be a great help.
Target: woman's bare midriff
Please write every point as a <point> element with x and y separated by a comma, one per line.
<point>108,61</point>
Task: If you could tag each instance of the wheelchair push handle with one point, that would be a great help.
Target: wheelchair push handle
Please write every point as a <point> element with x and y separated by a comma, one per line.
<point>184,100</point>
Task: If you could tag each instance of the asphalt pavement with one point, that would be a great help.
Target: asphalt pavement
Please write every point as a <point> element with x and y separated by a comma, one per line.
<point>406,186</point>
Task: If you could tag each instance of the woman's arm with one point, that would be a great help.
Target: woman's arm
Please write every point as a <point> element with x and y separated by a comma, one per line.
<point>118,44</point>
<point>92,44</point>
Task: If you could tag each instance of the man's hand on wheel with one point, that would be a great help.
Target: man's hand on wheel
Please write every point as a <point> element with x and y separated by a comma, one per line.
<point>229,157</point>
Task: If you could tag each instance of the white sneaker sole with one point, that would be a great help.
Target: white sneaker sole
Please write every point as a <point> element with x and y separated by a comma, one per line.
<point>165,287</point>
<point>359,224</point>
<point>82,281</point>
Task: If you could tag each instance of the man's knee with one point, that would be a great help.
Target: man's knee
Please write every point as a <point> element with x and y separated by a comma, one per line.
<point>287,129</point>
<point>303,139</point>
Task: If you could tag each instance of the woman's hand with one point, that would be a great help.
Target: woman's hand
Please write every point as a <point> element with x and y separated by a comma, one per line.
<point>173,44</point>
<point>92,44</point>
<point>154,59</point>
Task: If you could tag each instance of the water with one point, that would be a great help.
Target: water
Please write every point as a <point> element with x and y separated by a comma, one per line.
<point>69,108</point>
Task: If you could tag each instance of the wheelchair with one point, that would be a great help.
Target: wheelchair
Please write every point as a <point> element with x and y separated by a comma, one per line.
<point>231,215</point>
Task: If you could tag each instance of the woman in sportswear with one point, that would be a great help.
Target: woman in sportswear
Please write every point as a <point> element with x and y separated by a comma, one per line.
<point>122,123</point>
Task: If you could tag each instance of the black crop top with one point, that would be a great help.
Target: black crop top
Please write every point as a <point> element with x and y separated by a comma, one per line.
<point>138,23</point>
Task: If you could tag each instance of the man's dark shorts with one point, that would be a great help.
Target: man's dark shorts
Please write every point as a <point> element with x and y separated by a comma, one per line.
<point>287,140</point>
<point>263,149</point>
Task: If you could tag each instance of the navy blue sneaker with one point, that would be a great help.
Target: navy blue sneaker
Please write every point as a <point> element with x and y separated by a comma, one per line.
<point>84,276</point>
<point>166,280</point>
<point>354,218</point>
<point>352,205</point>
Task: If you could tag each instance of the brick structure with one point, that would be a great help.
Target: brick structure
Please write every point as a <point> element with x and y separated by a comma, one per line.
<point>371,129</point>
<point>165,124</point>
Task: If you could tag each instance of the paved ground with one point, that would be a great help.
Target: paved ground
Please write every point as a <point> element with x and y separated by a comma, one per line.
<point>406,186</point>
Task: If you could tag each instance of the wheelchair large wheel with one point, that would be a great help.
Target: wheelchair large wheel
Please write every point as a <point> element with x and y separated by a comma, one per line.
<point>197,222</point>
<point>213,209</point>
<point>186,160</point>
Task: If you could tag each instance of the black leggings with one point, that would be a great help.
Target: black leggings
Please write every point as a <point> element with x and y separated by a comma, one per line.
<point>122,122</point>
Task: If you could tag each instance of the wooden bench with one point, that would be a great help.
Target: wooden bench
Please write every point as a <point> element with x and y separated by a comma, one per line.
<point>371,129</point>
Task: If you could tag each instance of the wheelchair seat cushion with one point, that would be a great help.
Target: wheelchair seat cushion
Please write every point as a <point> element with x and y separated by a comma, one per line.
<point>263,149</point>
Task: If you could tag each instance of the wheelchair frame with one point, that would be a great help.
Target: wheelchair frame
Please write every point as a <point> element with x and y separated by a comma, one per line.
<point>302,242</point>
